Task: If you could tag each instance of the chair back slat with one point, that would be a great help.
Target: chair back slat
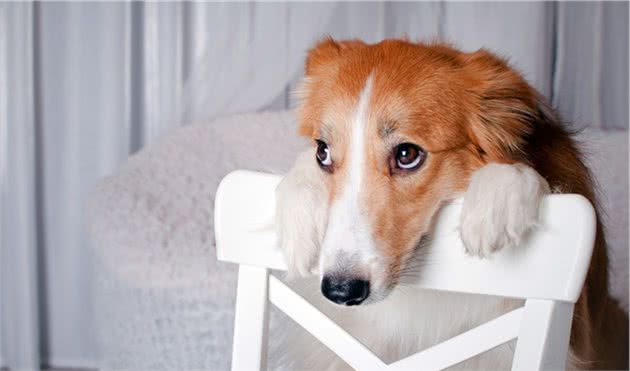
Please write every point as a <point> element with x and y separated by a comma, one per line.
<point>550,264</point>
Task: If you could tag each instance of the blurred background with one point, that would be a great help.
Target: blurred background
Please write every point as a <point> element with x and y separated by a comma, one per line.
<point>85,85</point>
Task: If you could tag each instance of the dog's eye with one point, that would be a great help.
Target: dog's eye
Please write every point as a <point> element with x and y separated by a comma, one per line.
<point>323,155</point>
<point>409,156</point>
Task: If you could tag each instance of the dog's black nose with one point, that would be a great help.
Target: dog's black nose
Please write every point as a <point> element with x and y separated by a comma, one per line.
<point>345,290</point>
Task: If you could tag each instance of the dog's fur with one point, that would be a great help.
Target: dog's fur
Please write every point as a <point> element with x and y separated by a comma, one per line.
<point>488,135</point>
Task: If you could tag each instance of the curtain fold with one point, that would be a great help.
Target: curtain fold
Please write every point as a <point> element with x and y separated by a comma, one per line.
<point>521,32</point>
<point>19,260</point>
<point>251,53</point>
<point>83,85</point>
<point>591,70</point>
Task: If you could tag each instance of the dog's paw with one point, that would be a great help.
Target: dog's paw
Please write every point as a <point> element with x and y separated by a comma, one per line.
<point>301,214</point>
<point>500,207</point>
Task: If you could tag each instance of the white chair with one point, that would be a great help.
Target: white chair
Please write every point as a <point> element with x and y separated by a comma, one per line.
<point>547,272</point>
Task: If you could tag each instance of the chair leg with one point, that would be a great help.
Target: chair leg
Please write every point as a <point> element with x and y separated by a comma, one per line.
<point>251,322</point>
<point>543,341</point>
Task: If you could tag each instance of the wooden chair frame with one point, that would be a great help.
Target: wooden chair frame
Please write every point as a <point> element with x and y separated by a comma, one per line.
<point>548,272</point>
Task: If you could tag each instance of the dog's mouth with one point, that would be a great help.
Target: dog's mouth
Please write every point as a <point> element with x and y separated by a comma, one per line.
<point>412,266</point>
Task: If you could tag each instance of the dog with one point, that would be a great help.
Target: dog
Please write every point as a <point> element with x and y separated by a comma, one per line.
<point>398,130</point>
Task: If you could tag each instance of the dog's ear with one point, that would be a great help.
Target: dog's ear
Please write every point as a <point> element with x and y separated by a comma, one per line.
<point>506,108</point>
<point>326,52</point>
<point>321,59</point>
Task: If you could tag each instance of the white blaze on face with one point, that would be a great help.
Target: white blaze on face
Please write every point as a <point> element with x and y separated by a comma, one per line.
<point>348,245</point>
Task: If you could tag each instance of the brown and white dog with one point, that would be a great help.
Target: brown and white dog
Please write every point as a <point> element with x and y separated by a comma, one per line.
<point>398,129</point>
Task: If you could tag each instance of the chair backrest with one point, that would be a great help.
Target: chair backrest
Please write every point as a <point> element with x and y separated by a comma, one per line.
<point>548,271</point>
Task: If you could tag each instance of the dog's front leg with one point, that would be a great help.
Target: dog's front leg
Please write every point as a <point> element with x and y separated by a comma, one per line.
<point>500,207</point>
<point>301,214</point>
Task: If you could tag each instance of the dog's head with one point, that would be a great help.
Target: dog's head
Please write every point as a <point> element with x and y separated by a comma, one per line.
<point>399,128</point>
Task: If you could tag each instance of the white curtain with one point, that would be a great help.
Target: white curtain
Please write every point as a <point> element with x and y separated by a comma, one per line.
<point>591,63</point>
<point>19,294</point>
<point>83,85</point>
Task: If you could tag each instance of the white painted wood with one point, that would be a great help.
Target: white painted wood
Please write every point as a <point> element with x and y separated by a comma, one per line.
<point>561,247</point>
<point>251,322</point>
<point>244,220</point>
<point>464,346</point>
<point>323,328</point>
<point>543,340</point>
